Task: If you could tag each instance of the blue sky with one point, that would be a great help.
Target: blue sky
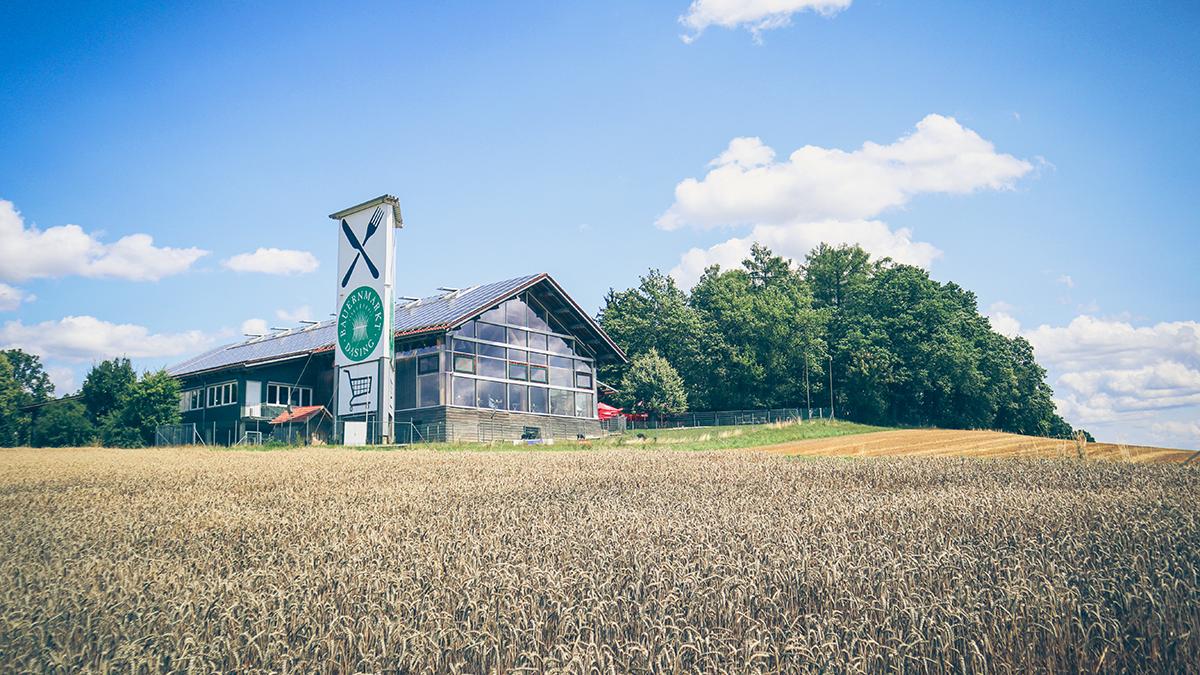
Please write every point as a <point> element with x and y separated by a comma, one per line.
<point>1050,164</point>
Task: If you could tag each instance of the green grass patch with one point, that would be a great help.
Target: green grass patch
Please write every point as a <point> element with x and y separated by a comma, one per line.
<point>731,437</point>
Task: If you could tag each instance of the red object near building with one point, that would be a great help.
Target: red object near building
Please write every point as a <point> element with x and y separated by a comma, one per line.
<point>297,414</point>
<point>605,411</point>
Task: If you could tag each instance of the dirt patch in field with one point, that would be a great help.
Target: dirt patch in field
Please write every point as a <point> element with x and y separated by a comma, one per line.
<point>948,442</point>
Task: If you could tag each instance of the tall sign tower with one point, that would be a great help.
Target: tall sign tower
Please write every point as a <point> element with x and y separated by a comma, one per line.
<point>363,360</point>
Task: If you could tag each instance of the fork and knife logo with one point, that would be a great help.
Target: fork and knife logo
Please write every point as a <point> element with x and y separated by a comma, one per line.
<point>376,219</point>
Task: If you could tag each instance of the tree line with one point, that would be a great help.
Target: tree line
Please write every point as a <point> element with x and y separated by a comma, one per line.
<point>115,407</point>
<point>882,341</point>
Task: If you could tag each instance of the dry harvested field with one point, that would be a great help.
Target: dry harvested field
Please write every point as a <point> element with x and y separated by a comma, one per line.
<point>625,560</point>
<point>951,443</point>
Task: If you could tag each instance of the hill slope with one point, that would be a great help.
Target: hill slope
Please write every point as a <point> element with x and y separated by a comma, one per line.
<point>948,442</point>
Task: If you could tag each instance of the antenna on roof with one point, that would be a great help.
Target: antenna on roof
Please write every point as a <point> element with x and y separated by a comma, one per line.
<point>309,323</point>
<point>278,328</point>
<point>448,289</point>
<point>409,298</point>
<point>252,335</point>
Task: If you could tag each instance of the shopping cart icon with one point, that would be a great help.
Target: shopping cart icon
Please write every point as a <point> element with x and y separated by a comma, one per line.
<point>360,387</point>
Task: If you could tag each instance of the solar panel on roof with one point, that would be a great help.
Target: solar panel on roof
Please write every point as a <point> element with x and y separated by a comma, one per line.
<point>429,313</point>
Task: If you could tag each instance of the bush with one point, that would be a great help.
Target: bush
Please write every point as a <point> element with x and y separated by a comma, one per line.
<point>63,424</point>
<point>147,403</point>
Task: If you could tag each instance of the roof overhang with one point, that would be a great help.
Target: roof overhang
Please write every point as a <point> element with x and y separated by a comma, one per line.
<point>381,199</point>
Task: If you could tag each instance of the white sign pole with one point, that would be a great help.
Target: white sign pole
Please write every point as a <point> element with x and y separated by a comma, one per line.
<point>363,353</point>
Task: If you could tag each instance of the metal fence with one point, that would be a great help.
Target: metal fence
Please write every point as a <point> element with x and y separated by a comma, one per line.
<point>722,418</point>
<point>177,434</point>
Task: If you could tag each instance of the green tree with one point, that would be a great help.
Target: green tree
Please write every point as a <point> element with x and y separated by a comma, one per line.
<point>106,384</point>
<point>149,402</point>
<point>766,330</point>
<point>13,421</point>
<point>656,315</point>
<point>900,347</point>
<point>28,370</point>
<point>63,424</point>
<point>652,386</point>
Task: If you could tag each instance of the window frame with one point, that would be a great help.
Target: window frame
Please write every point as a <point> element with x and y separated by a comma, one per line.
<point>281,388</point>
<point>229,387</point>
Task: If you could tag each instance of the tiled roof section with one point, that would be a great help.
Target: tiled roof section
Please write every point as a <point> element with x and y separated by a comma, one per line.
<point>435,313</point>
<point>298,414</point>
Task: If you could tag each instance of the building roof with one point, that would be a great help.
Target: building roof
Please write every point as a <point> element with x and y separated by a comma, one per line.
<point>428,315</point>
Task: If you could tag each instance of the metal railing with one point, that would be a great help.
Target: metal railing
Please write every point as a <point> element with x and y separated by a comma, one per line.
<point>723,418</point>
<point>177,434</point>
<point>250,438</point>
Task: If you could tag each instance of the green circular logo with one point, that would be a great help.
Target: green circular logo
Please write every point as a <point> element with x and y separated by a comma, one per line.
<point>360,323</point>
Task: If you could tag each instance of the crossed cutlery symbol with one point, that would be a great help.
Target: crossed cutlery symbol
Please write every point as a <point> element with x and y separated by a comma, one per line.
<point>376,218</point>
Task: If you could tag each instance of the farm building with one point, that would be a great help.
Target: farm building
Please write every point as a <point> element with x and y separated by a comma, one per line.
<point>506,360</point>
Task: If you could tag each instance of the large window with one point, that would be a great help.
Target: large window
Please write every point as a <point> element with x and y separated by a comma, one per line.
<point>464,391</point>
<point>518,398</point>
<point>192,399</point>
<point>516,357</point>
<point>419,375</point>
<point>538,400</point>
<point>222,394</point>
<point>489,394</point>
<point>286,394</point>
<point>562,402</point>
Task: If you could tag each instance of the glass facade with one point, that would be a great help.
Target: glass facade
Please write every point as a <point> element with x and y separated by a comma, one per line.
<point>514,356</point>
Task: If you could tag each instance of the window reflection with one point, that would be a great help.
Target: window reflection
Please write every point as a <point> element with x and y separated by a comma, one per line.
<point>516,313</point>
<point>537,400</point>
<point>464,364</point>
<point>490,394</point>
<point>518,371</point>
<point>490,332</point>
<point>492,367</point>
<point>517,398</point>
<point>583,405</point>
<point>464,391</point>
<point>562,402</point>
<point>430,390</point>
<point>494,351</point>
<point>494,315</point>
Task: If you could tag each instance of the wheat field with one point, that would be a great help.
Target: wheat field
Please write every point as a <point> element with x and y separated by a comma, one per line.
<point>620,560</point>
<point>978,444</point>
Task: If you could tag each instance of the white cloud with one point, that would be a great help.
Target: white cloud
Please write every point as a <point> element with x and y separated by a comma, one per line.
<point>63,379</point>
<point>796,240</point>
<point>1185,434</point>
<point>755,15</point>
<point>63,250</point>
<point>1066,280</point>
<point>255,327</point>
<point>302,313</point>
<point>831,195</point>
<point>82,338</point>
<point>747,187</point>
<point>1129,380</point>
<point>11,298</point>
<point>1005,324</point>
<point>1089,343</point>
<point>273,261</point>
